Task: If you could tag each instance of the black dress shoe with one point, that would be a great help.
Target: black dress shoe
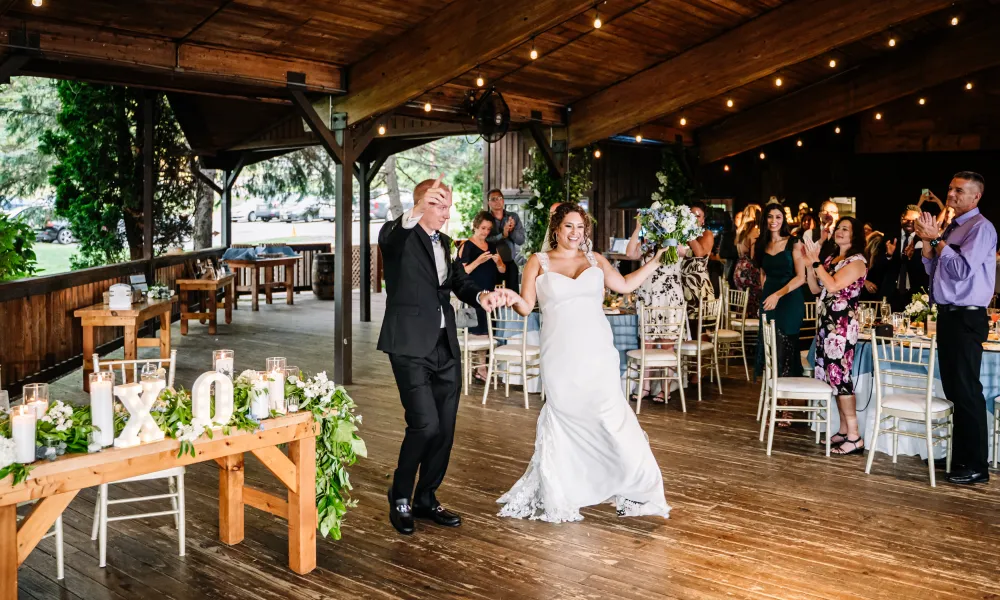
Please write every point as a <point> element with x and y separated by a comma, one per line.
<point>968,476</point>
<point>941,463</point>
<point>401,515</point>
<point>438,514</point>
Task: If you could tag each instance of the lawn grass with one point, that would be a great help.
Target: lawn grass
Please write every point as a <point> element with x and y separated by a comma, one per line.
<point>53,258</point>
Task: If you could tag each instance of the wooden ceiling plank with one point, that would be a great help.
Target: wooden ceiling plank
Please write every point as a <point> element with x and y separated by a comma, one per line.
<point>451,42</point>
<point>784,36</point>
<point>918,67</point>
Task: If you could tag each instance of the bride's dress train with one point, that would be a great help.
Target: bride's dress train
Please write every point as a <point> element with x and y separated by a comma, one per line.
<point>589,448</point>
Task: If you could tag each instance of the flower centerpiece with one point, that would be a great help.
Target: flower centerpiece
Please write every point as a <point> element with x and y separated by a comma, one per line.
<point>159,292</point>
<point>920,308</point>
<point>666,224</point>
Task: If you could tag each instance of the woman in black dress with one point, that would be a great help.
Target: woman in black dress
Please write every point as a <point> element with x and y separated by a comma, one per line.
<point>482,263</point>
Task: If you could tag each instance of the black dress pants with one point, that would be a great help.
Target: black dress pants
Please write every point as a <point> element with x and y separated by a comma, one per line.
<point>961,334</point>
<point>429,389</point>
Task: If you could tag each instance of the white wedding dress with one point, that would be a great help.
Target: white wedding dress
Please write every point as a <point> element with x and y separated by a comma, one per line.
<point>589,448</point>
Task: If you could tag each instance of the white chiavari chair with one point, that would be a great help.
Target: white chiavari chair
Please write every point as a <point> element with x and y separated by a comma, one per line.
<point>732,338</point>
<point>901,365</point>
<point>809,324</point>
<point>818,393</point>
<point>703,347</point>
<point>174,476</point>
<point>509,348</point>
<point>471,346</point>
<point>56,532</point>
<point>662,326</point>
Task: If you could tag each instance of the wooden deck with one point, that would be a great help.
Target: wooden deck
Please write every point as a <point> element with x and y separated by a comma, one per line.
<point>795,525</point>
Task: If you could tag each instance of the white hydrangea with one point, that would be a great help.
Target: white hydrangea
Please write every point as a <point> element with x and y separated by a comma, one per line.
<point>59,414</point>
<point>6,452</point>
<point>248,377</point>
<point>188,433</point>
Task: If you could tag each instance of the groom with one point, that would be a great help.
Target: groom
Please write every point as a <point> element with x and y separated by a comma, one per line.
<point>419,336</point>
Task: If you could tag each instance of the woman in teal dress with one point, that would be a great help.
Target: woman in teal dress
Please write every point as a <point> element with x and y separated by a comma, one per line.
<point>783,273</point>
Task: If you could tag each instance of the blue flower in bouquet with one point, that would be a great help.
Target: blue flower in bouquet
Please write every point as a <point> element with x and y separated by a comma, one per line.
<point>667,225</point>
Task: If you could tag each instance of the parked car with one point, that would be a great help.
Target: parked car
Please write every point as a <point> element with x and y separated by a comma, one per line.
<point>267,210</point>
<point>380,204</point>
<point>41,218</point>
<point>327,212</point>
<point>244,212</point>
<point>305,209</point>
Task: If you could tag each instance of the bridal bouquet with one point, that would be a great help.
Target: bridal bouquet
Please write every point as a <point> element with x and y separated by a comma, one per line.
<point>920,308</point>
<point>666,225</point>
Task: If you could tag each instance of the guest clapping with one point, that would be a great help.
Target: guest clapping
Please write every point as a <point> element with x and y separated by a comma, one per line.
<point>481,262</point>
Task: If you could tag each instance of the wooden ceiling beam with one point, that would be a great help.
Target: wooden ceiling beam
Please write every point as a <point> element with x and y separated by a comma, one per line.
<point>918,67</point>
<point>453,41</point>
<point>85,44</point>
<point>789,34</point>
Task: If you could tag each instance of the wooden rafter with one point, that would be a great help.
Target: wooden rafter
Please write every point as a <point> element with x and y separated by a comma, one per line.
<point>456,39</point>
<point>921,66</point>
<point>792,33</point>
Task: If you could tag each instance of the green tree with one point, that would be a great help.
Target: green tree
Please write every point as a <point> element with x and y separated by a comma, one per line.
<point>98,173</point>
<point>28,106</point>
<point>468,193</point>
<point>548,190</point>
<point>17,259</point>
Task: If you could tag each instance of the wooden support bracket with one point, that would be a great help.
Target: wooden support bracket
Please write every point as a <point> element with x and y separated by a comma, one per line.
<point>548,154</point>
<point>279,464</point>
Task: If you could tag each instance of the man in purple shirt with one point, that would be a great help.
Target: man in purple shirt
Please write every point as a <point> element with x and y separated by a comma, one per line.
<point>961,262</point>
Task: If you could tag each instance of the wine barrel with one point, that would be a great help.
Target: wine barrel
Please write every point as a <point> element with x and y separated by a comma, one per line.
<point>322,275</point>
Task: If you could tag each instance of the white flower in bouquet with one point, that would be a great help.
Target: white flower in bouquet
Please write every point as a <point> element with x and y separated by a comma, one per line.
<point>6,452</point>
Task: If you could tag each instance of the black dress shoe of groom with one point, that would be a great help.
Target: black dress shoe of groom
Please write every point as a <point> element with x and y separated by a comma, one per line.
<point>438,514</point>
<point>401,515</point>
<point>968,476</point>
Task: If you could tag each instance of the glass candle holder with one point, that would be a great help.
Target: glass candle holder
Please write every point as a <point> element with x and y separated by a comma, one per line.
<point>36,396</point>
<point>275,364</point>
<point>292,402</point>
<point>102,406</point>
<point>4,401</point>
<point>223,361</point>
<point>153,380</point>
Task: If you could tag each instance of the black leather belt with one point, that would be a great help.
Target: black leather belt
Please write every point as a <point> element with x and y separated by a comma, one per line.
<point>955,307</point>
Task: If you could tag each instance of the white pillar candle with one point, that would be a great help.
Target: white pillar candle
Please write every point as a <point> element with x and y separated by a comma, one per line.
<point>223,362</point>
<point>102,406</point>
<point>259,404</point>
<point>276,391</point>
<point>22,428</point>
<point>39,406</point>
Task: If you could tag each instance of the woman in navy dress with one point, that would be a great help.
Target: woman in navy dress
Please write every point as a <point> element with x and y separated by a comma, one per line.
<point>481,262</point>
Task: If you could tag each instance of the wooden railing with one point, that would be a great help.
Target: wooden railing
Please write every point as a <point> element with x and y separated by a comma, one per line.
<point>39,337</point>
<point>303,271</point>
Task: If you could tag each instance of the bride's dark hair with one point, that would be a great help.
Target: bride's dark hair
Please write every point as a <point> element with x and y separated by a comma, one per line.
<point>560,215</point>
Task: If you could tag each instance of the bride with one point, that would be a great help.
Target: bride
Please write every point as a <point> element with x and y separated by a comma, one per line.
<point>589,448</point>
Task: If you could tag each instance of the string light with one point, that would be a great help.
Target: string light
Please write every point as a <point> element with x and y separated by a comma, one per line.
<point>777,82</point>
<point>968,85</point>
<point>427,107</point>
<point>763,156</point>
<point>597,153</point>
<point>381,129</point>
<point>836,129</point>
<point>798,143</point>
<point>892,42</point>
<point>725,168</point>
<point>922,101</point>
<point>597,18</point>
<point>833,63</point>
<point>638,138</point>
<point>683,121</point>
<point>480,82</point>
<point>878,116</point>
<point>534,53</point>
<point>36,2</point>
<point>954,20</point>
<point>729,103</point>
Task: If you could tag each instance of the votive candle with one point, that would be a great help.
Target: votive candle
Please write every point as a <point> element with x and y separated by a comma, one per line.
<point>102,406</point>
<point>276,390</point>
<point>223,361</point>
<point>22,426</point>
<point>36,396</point>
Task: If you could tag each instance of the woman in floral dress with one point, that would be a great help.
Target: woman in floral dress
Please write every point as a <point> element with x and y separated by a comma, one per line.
<point>839,279</point>
<point>746,274</point>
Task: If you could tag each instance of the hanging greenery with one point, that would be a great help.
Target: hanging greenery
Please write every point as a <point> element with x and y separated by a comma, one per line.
<point>17,259</point>
<point>549,189</point>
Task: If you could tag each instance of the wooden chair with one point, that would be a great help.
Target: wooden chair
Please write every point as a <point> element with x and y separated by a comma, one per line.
<point>508,346</point>
<point>732,339</point>
<point>818,393</point>
<point>900,365</point>
<point>658,325</point>
<point>56,532</point>
<point>174,476</point>
<point>471,346</point>
<point>705,352</point>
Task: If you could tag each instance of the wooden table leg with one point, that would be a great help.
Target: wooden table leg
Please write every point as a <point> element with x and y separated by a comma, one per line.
<point>165,335</point>
<point>290,284</point>
<point>213,306</point>
<point>231,499</point>
<point>8,552</point>
<point>230,302</point>
<point>268,280</point>
<point>131,348</point>
<point>88,355</point>
<point>201,305</point>
<point>255,287</point>
<point>302,507</point>
<point>184,309</point>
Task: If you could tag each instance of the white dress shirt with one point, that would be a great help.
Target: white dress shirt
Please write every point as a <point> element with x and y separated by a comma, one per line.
<point>440,259</point>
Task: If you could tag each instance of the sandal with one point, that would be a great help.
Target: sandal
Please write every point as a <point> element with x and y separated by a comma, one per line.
<point>858,449</point>
<point>836,442</point>
<point>479,378</point>
<point>656,399</point>
<point>784,414</point>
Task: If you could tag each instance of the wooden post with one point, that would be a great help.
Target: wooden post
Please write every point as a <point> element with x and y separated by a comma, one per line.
<point>364,202</point>
<point>227,209</point>
<point>302,515</point>
<point>148,184</point>
<point>8,551</point>
<point>343,266</point>
<point>231,499</point>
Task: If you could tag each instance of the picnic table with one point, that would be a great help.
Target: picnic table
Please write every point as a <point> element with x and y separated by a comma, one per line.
<point>267,265</point>
<point>211,287</point>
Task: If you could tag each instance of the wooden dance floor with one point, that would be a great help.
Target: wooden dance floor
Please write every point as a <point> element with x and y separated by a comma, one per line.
<point>744,525</point>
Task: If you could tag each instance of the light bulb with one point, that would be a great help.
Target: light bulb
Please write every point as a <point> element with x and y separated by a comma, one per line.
<point>968,86</point>
<point>878,116</point>
<point>892,42</point>
<point>597,153</point>
<point>763,156</point>
<point>381,129</point>
<point>36,2</point>
<point>833,63</point>
<point>922,101</point>
<point>638,138</point>
<point>729,103</point>
<point>798,143</point>
<point>725,168</point>
<point>534,53</point>
<point>683,121</point>
<point>480,82</point>
<point>597,20</point>
<point>954,20</point>
<point>836,129</point>
<point>777,82</point>
<point>427,107</point>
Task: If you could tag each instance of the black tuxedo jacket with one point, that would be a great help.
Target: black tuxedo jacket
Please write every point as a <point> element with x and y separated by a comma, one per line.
<point>914,267</point>
<point>415,300</point>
